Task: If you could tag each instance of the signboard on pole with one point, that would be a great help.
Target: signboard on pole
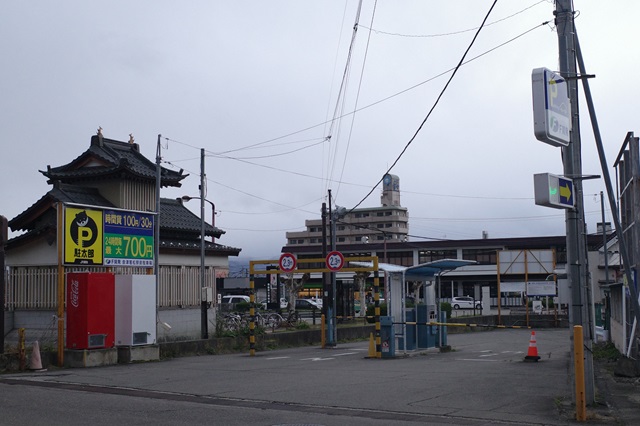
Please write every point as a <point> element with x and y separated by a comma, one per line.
<point>551,107</point>
<point>553,191</point>
<point>287,262</point>
<point>128,238</point>
<point>83,234</point>
<point>110,237</point>
<point>541,288</point>
<point>334,261</point>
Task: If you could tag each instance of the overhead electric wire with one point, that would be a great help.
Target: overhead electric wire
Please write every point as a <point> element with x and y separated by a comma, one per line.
<point>432,108</point>
<point>353,119</point>
<point>430,79</point>
<point>340,101</point>
<point>454,32</point>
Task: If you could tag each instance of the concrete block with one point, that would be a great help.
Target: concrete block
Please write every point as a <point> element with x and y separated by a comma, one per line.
<point>90,357</point>
<point>128,354</point>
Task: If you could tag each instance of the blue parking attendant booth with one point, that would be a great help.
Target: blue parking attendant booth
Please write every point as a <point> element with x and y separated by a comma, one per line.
<point>396,277</point>
<point>410,332</point>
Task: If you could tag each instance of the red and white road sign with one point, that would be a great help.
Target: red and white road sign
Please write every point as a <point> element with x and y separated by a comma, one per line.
<point>335,261</point>
<point>287,262</point>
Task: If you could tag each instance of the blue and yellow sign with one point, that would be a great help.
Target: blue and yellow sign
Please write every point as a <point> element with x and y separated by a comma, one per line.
<point>108,237</point>
<point>128,238</point>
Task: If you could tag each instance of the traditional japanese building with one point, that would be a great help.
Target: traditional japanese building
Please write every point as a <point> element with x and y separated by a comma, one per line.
<point>112,174</point>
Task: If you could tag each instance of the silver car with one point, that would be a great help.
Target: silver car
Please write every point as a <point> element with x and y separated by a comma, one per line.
<point>465,302</point>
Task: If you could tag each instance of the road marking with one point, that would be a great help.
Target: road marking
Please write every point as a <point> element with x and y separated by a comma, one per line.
<point>489,355</point>
<point>315,359</point>
<point>476,359</point>
<point>279,357</point>
<point>346,353</point>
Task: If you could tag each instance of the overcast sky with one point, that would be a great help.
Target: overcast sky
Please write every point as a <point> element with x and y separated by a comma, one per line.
<point>257,84</point>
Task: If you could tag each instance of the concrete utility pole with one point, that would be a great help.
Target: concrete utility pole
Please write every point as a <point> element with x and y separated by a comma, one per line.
<point>203,302</point>
<point>575,224</point>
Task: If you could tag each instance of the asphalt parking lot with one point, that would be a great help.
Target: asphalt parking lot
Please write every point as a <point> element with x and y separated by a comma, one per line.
<point>482,380</point>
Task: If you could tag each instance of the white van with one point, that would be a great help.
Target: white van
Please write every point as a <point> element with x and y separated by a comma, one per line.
<point>235,299</point>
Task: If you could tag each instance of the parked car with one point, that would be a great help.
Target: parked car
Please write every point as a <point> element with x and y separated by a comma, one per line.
<point>283,303</point>
<point>235,299</point>
<point>317,301</point>
<point>307,304</point>
<point>465,302</point>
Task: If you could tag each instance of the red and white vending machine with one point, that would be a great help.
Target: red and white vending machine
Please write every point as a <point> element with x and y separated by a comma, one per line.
<point>90,310</point>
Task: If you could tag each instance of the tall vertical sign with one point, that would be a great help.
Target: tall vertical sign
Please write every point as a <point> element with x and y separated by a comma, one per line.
<point>551,107</point>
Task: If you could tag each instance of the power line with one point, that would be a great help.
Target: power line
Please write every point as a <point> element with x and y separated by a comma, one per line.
<point>257,144</point>
<point>433,107</point>
<point>454,32</point>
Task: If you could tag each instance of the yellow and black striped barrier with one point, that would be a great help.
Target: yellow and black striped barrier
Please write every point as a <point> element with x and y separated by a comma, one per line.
<point>462,324</point>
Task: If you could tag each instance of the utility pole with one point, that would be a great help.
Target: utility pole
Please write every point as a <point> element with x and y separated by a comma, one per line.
<point>203,299</point>
<point>331,308</point>
<point>156,226</point>
<point>575,224</point>
<point>326,285</point>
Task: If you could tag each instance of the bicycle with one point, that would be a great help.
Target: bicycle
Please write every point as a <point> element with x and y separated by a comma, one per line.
<point>267,320</point>
<point>292,319</point>
<point>233,321</point>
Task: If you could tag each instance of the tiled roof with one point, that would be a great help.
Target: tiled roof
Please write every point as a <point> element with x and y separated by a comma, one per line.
<point>181,244</point>
<point>179,227</point>
<point>28,220</point>
<point>108,157</point>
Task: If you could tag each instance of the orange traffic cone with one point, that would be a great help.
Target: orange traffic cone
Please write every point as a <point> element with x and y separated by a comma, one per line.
<point>532,355</point>
<point>36,361</point>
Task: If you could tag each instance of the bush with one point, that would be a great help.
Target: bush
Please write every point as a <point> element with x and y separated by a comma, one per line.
<point>243,306</point>
<point>605,351</point>
<point>445,307</point>
<point>371,312</point>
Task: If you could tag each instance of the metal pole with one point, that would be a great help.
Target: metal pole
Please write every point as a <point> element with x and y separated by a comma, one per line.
<point>571,156</point>
<point>626,258</point>
<point>156,230</point>
<point>604,242</point>
<point>60,308</point>
<point>4,236</point>
<point>203,301</point>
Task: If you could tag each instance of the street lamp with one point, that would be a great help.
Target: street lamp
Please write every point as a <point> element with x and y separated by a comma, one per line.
<point>213,211</point>
<point>204,320</point>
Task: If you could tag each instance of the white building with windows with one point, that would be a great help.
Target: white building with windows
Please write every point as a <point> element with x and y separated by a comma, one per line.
<point>389,221</point>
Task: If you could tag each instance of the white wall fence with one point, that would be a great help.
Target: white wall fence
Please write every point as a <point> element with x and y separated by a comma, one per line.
<point>37,287</point>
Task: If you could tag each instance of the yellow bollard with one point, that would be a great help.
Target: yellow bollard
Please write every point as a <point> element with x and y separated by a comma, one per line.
<point>578,355</point>
<point>372,346</point>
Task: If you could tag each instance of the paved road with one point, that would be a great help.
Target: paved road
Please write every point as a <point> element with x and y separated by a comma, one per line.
<point>482,381</point>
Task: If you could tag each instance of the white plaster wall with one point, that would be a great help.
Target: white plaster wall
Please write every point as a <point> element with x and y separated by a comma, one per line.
<point>185,324</point>
<point>36,254</point>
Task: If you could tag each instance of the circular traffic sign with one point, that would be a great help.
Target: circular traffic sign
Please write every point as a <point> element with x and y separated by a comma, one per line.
<point>335,261</point>
<point>287,262</point>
